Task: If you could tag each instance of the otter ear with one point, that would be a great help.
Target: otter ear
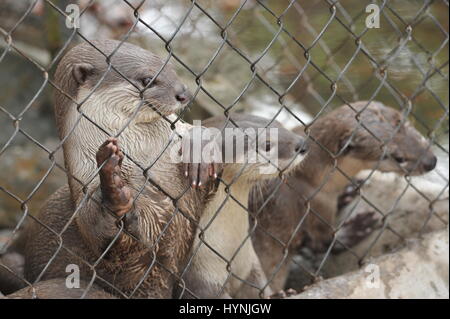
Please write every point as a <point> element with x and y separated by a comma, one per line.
<point>81,71</point>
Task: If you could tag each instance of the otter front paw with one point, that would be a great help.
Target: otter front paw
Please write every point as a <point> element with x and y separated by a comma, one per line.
<point>355,230</point>
<point>199,170</point>
<point>200,173</point>
<point>116,196</point>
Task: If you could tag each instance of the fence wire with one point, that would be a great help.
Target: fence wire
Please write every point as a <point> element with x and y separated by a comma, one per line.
<point>290,61</point>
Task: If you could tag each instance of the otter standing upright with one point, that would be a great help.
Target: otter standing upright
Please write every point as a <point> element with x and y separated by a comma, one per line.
<point>108,192</point>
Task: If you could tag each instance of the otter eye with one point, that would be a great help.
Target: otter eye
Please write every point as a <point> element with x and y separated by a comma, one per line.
<point>399,159</point>
<point>268,146</point>
<point>145,81</point>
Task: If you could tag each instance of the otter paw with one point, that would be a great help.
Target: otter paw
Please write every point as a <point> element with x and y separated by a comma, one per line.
<point>199,171</point>
<point>349,194</point>
<point>283,294</point>
<point>356,229</point>
<point>116,196</point>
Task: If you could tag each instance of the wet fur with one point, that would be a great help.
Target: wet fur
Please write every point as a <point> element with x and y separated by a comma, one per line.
<point>208,275</point>
<point>163,234</point>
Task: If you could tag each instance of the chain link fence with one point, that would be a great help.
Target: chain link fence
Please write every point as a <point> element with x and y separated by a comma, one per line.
<point>290,61</point>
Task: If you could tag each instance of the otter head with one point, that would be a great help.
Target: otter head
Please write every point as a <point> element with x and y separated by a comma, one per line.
<point>136,79</point>
<point>254,148</point>
<point>383,140</point>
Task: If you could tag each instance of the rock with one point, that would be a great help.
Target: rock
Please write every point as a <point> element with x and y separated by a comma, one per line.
<point>419,270</point>
<point>411,210</point>
<point>57,289</point>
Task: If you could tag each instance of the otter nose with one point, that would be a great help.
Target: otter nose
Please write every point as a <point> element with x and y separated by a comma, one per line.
<point>182,97</point>
<point>301,148</point>
<point>182,94</point>
<point>429,163</point>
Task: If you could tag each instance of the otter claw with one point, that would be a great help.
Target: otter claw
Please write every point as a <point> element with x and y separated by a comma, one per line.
<point>198,174</point>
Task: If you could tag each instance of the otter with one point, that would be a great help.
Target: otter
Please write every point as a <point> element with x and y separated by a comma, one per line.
<point>223,261</point>
<point>289,144</point>
<point>355,137</point>
<point>128,214</point>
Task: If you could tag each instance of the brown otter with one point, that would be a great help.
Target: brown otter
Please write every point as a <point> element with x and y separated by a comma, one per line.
<point>224,262</point>
<point>288,145</point>
<point>306,205</point>
<point>127,220</point>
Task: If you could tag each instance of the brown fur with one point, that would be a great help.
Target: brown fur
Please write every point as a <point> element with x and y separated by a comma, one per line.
<point>305,206</point>
<point>73,227</point>
<point>11,272</point>
<point>225,218</point>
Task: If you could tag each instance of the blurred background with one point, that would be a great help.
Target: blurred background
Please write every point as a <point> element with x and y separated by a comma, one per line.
<point>289,60</point>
